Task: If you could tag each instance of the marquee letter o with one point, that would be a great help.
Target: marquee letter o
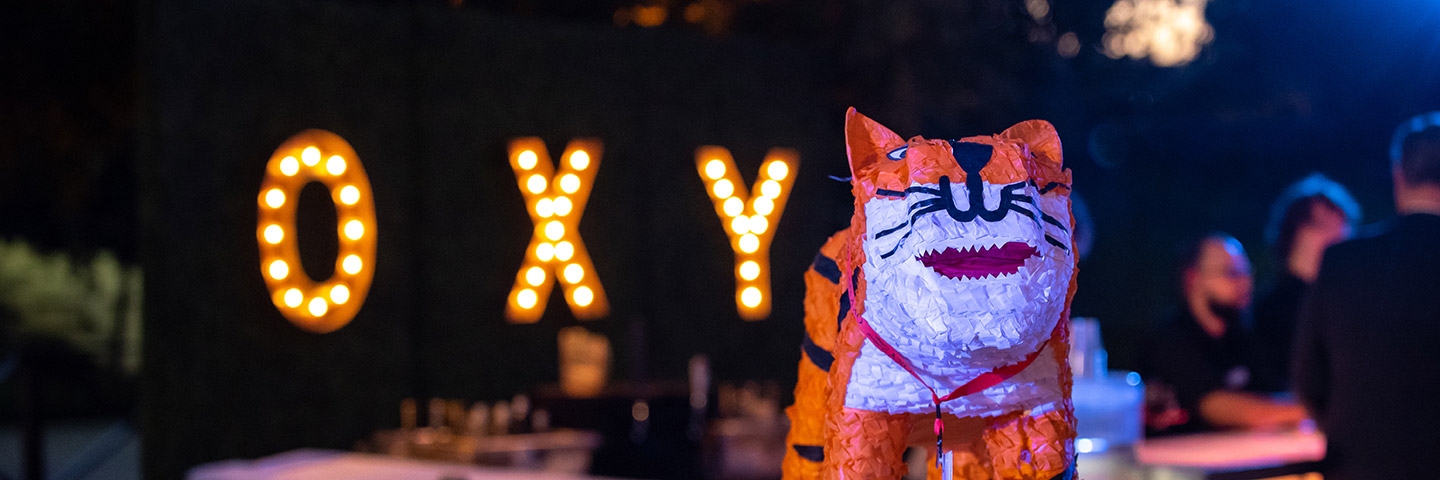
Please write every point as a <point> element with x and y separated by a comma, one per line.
<point>319,156</point>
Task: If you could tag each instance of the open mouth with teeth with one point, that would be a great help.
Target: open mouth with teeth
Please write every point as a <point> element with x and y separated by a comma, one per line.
<point>979,262</point>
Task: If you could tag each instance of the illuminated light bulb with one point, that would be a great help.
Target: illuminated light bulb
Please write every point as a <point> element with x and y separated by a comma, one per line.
<point>275,198</point>
<point>583,296</point>
<point>749,243</point>
<point>279,269</point>
<point>778,170</point>
<point>563,206</point>
<point>526,299</point>
<point>574,273</point>
<point>579,160</point>
<point>564,251</point>
<point>289,166</point>
<point>751,297</point>
<point>274,234</point>
<point>535,184</point>
<point>349,195</point>
<point>544,208</point>
<point>293,298</point>
<point>554,230</point>
<point>759,225</point>
<point>310,155</point>
<point>528,159</point>
<point>770,188</point>
<point>733,206</point>
<point>535,276</point>
<point>740,225</point>
<point>764,205</point>
<point>723,188</point>
<point>749,270</point>
<point>340,294</point>
<point>318,307</point>
<point>715,169</point>
<point>569,183</point>
<point>352,264</point>
<point>335,165</point>
<point>544,252</point>
<point>354,229</point>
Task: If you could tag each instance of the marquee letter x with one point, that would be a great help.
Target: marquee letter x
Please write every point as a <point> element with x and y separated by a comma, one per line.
<point>556,202</point>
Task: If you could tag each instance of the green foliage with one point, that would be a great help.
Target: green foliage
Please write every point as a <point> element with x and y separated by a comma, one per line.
<point>93,306</point>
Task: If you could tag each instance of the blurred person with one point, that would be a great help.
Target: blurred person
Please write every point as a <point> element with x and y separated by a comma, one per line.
<point>1199,367</point>
<point>1309,216</point>
<point>1367,346</point>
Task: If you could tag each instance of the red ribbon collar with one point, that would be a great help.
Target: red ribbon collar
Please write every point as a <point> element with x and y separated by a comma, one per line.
<point>975,385</point>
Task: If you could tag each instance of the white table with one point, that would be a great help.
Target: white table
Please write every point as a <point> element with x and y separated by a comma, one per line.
<point>1219,455</point>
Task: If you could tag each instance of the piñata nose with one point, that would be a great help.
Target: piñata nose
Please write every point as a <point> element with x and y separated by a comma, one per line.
<point>971,156</point>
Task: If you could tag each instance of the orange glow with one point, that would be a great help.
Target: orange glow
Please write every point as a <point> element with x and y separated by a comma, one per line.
<point>279,270</point>
<point>536,184</point>
<point>340,294</point>
<point>354,229</point>
<point>352,264</point>
<point>556,194</point>
<point>329,304</point>
<point>583,296</point>
<point>650,16</point>
<point>527,160</point>
<point>293,298</point>
<point>569,183</point>
<point>318,307</point>
<point>750,229</point>
<point>723,188</point>
<point>535,276</point>
<point>579,160</point>
<point>349,195</point>
<point>751,297</point>
<point>274,234</point>
<point>749,270</point>
<point>310,155</point>
<point>714,169</point>
<point>526,299</point>
<point>335,165</point>
<point>563,206</point>
<point>289,166</point>
<point>740,225</point>
<point>275,198</point>
<point>545,208</point>
<point>564,251</point>
<point>778,170</point>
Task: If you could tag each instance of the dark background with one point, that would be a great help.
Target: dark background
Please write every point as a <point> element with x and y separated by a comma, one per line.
<point>142,127</point>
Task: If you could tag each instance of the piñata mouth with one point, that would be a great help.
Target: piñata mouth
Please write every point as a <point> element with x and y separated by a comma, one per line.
<point>979,262</point>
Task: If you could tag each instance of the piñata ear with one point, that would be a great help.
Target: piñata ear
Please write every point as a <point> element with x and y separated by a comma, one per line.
<point>867,142</point>
<point>1040,136</point>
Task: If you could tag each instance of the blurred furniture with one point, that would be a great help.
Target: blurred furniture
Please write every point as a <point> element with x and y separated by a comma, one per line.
<point>560,451</point>
<point>746,440</point>
<point>330,464</point>
<point>647,429</point>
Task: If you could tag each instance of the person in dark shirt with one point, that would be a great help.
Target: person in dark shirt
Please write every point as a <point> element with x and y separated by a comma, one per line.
<point>1199,369</point>
<point>1367,346</point>
<point>1308,217</point>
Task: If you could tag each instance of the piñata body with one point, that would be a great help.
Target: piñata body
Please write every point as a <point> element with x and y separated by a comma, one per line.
<point>949,292</point>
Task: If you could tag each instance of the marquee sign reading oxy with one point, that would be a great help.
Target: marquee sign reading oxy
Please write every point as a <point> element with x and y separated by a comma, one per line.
<point>555,199</point>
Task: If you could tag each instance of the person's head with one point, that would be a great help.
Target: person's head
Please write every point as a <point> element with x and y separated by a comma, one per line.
<point>1216,273</point>
<point>1415,154</point>
<point>1310,215</point>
